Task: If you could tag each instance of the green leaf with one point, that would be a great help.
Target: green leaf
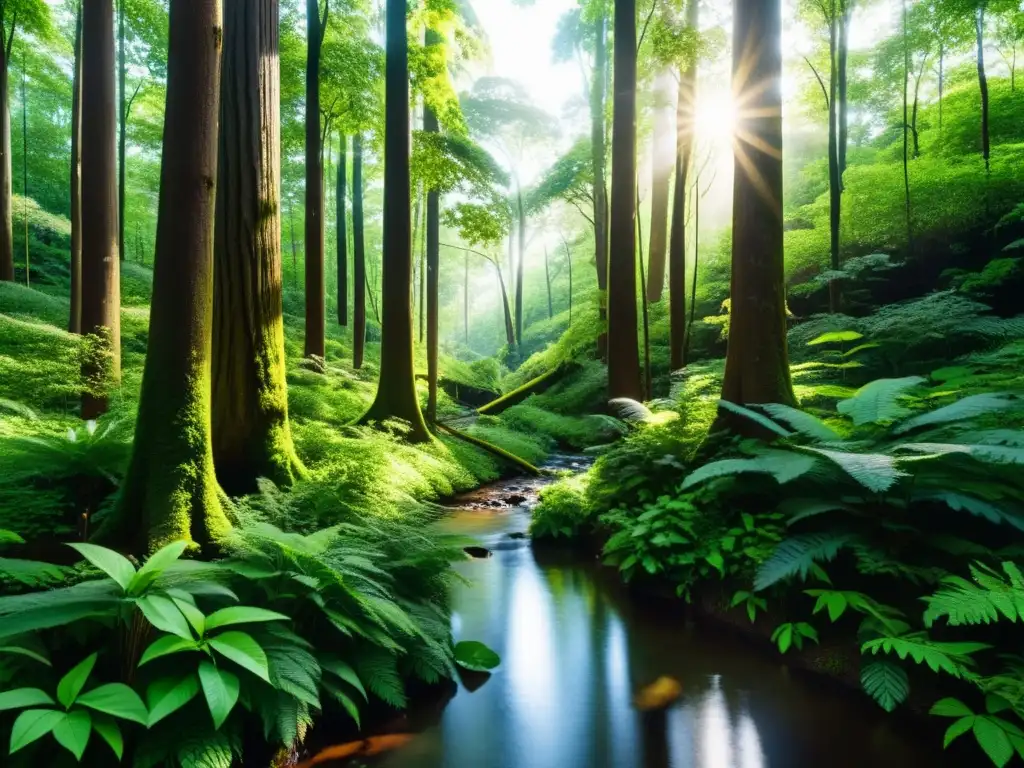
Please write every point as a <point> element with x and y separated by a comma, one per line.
<point>755,417</point>
<point>24,697</point>
<point>243,650</point>
<point>345,700</point>
<point>717,561</point>
<point>241,614</point>
<point>31,653</point>
<point>169,694</point>
<point>166,645</point>
<point>115,699</point>
<point>957,729</point>
<point>784,466</point>
<point>475,656</point>
<point>798,555</point>
<point>878,401</point>
<point>338,667</point>
<point>966,408</point>
<point>155,566</point>
<point>886,683</point>
<point>163,614</point>
<point>802,422</point>
<point>116,566</point>
<point>833,337</point>
<point>220,688</point>
<point>72,732</point>
<point>192,614</point>
<point>785,637</point>
<point>32,725</point>
<point>72,683</point>
<point>110,733</point>
<point>993,740</point>
<point>875,471</point>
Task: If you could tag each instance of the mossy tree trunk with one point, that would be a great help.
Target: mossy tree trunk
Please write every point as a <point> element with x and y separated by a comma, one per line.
<point>75,321</point>
<point>520,265</point>
<point>122,127</point>
<point>358,256</point>
<point>686,104</point>
<point>342,226</point>
<point>316,323</point>
<point>170,491</point>
<point>623,348</point>
<point>7,19</point>
<point>757,365</point>
<point>979,27</point>
<point>251,434</point>
<point>597,141</point>
<point>396,390</point>
<point>661,169</point>
<point>101,271</point>
<point>433,259</point>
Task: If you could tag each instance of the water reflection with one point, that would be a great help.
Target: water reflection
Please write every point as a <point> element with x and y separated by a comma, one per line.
<point>574,654</point>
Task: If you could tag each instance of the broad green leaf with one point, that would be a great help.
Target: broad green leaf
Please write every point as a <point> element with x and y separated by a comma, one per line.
<point>72,732</point>
<point>163,614</point>
<point>220,688</point>
<point>475,656</point>
<point>833,337</point>
<point>72,683</point>
<point>343,698</point>
<point>18,650</point>
<point>241,614</point>
<point>116,566</point>
<point>192,614</point>
<point>886,683</point>
<point>993,740</point>
<point>169,694</point>
<point>166,645</point>
<point>116,699</point>
<point>957,729</point>
<point>716,561</point>
<point>110,733</point>
<point>32,725</point>
<point>243,650</point>
<point>344,671</point>
<point>24,697</point>
<point>155,565</point>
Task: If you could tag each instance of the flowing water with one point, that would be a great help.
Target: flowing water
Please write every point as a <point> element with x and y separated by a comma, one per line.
<point>574,652</point>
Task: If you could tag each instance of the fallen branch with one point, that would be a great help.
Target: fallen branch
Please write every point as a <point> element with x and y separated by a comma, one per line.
<point>516,396</point>
<point>491,448</point>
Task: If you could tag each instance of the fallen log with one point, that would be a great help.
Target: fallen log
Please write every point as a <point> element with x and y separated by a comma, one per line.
<point>491,448</point>
<point>531,387</point>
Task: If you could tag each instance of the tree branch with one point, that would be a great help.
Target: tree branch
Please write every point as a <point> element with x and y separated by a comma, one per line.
<point>821,82</point>
<point>323,20</point>
<point>643,34</point>
<point>130,101</point>
<point>10,38</point>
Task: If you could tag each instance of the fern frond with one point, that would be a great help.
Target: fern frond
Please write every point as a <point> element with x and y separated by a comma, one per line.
<point>784,466</point>
<point>630,411</point>
<point>984,601</point>
<point>967,408</point>
<point>960,502</point>
<point>803,422</point>
<point>878,402</point>
<point>754,416</point>
<point>875,471</point>
<point>951,658</point>
<point>796,556</point>
<point>378,669</point>
<point>886,683</point>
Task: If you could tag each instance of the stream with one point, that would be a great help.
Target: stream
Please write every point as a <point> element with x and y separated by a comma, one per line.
<point>574,652</point>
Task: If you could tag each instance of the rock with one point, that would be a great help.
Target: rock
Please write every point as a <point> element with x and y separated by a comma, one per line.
<point>480,553</point>
<point>661,694</point>
<point>515,499</point>
<point>517,535</point>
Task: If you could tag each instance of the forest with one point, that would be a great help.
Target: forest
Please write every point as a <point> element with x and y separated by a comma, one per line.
<point>512,383</point>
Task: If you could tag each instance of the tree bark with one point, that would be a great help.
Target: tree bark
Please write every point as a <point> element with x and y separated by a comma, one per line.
<point>101,272</point>
<point>835,174</point>
<point>251,434</point>
<point>465,298</point>
<point>843,116</point>
<point>121,128</point>
<point>358,256</point>
<point>568,262</point>
<point>661,169</point>
<point>433,235</point>
<point>24,164</point>
<point>979,26</point>
<point>623,348</point>
<point>757,364</point>
<point>600,195</point>
<point>75,323</point>
<point>547,281</point>
<point>686,105</point>
<point>520,265</point>
<point>942,82</point>
<point>170,491</point>
<point>396,390</point>
<point>906,126</point>
<point>342,227</point>
<point>316,323</point>
<point>644,310</point>
<point>6,204</point>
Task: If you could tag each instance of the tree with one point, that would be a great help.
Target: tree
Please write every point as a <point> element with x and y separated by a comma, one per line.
<point>1009,37</point>
<point>757,366</point>
<point>251,434</point>
<point>396,389</point>
<point>316,26</point>
<point>661,169</point>
<point>170,491</point>
<point>358,256</point>
<point>342,225</point>
<point>623,348</point>
<point>75,322</point>
<point>433,255</point>
<point>101,290</point>
<point>598,149</point>
<point>16,16</point>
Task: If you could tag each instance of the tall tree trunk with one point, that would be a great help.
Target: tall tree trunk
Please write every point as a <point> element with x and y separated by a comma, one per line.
<point>598,150</point>
<point>510,328</point>
<point>757,364</point>
<point>396,390</point>
<point>623,349</point>
<point>24,163</point>
<point>358,256</point>
<point>645,311</point>
<point>6,204</point>
<point>170,491</point>
<point>342,230</point>
<point>251,434</point>
<point>520,265</point>
<point>291,230</point>
<point>843,116</point>
<point>465,298</point>
<point>906,132</point>
<point>942,82</point>
<point>101,272</point>
<point>433,234</point>
<point>568,263</point>
<point>122,132</point>
<point>696,265</point>
<point>547,281</point>
<point>686,107</point>
<point>423,270</point>
<point>835,174</point>
<point>979,26</point>
<point>75,323</point>
<point>661,169</point>
<point>914,111</point>
<point>316,323</point>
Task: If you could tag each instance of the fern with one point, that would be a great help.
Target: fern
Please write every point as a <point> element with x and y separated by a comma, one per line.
<point>784,466</point>
<point>886,683</point>
<point>960,502</point>
<point>967,408</point>
<point>378,669</point>
<point>878,402</point>
<point>951,658</point>
<point>755,417</point>
<point>803,422</point>
<point>796,556</point>
<point>875,471</point>
<point>986,600</point>
<point>630,411</point>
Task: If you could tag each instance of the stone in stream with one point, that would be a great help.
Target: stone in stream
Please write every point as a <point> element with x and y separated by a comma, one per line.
<point>479,553</point>
<point>515,499</point>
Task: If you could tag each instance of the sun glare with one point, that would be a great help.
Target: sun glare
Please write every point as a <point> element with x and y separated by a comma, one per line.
<point>716,115</point>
